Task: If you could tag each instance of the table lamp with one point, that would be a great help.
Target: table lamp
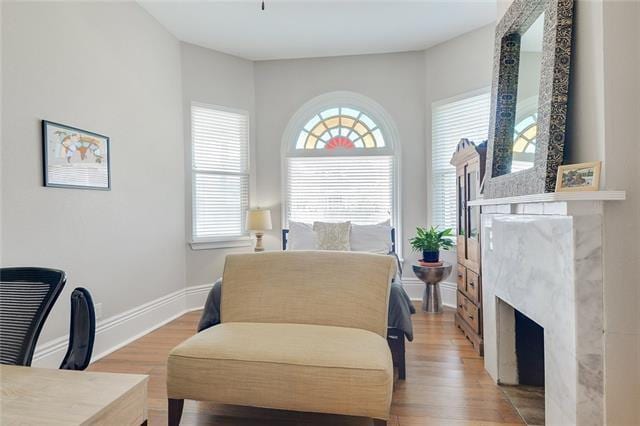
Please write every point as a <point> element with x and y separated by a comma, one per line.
<point>258,220</point>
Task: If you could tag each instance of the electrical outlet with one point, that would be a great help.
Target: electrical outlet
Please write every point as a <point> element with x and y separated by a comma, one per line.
<point>98,308</point>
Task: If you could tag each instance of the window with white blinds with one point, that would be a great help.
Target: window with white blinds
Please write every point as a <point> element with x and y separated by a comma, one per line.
<point>340,165</point>
<point>220,172</point>
<point>340,188</point>
<point>452,120</point>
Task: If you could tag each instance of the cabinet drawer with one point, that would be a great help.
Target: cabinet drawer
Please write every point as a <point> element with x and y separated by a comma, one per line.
<point>460,307</point>
<point>462,278</point>
<point>468,312</point>
<point>471,317</point>
<point>473,285</point>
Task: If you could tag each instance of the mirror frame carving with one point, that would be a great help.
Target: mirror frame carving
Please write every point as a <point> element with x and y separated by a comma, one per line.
<point>552,98</point>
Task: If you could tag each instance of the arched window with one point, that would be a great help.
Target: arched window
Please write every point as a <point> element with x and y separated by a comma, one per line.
<point>339,162</point>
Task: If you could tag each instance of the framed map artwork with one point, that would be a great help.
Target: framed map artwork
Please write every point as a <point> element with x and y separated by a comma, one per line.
<point>75,158</point>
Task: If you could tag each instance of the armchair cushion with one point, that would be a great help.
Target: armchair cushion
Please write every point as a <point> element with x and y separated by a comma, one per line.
<point>288,366</point>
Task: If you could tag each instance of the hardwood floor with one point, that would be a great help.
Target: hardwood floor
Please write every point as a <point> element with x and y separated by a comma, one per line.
<point>446,382</point>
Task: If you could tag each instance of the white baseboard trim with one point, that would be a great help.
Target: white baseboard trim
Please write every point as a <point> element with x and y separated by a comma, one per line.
<point>121,329</point>
<point>415,289</point>
<point>196,296</point>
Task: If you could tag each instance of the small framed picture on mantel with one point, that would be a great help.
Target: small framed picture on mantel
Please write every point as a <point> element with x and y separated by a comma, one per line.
<point>579,177</point>
<point>75,158</point>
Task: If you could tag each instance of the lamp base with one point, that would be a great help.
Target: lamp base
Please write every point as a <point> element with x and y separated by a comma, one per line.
<point>259,247</point>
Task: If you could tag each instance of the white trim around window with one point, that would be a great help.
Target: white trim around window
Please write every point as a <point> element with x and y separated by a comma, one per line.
<point>220,176</point>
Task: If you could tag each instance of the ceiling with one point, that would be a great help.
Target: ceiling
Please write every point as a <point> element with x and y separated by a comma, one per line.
<point>316,28</point>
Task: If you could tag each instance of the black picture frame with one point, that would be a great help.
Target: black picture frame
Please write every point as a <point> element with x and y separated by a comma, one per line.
<point>96,153</point>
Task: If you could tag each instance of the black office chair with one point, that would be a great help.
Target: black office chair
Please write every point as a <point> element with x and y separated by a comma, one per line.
<point>26,298</point>
<point>82,331</point>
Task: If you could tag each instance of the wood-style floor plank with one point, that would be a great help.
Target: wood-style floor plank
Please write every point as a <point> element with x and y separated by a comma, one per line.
<point>446,382</point>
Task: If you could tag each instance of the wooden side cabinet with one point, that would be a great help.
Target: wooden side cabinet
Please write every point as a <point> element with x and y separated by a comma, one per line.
<point>469,160</point>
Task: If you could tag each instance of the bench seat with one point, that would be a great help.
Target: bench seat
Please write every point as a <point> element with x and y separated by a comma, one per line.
<point>300,331</point>
<point>297,367</point>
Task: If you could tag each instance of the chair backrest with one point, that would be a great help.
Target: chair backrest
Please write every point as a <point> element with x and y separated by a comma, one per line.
<point>344,289</point>
<point>26,298</point>
<point>82,331</point>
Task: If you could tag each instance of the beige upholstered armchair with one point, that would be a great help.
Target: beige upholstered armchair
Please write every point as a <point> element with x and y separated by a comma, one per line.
<point>302,331</point>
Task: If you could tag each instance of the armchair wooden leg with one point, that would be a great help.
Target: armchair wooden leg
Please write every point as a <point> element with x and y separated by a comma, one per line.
<point>379,422</point>
<point>175,411</point>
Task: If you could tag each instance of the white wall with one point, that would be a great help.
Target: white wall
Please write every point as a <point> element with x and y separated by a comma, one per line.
<point>621,46</point>
<point>461,65</point>
<point>218,79</point>
<point>395,81</point>
<point>112,69</point>
<point>585,125</point>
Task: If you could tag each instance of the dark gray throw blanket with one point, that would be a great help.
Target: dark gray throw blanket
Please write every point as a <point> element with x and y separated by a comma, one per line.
<point>400,309</point>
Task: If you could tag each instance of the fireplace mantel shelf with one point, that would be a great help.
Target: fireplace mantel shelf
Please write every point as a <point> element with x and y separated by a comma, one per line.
<point>552,197</point>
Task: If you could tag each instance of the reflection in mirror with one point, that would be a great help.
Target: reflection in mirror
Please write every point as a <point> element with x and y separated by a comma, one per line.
<point>529,72</point>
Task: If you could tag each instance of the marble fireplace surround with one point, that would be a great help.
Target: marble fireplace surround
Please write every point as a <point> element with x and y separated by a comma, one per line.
<point>542,255</point>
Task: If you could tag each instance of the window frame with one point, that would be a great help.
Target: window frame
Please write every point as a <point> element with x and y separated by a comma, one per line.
<point>486,90</point>
<point>350,100</point>
<point>243,240</point>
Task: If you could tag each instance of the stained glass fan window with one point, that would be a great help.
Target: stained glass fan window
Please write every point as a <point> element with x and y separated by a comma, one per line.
<point>340,128</point>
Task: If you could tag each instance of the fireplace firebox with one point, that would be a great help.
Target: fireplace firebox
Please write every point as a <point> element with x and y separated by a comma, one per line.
<point>522,367</point>
<point>529,351</point>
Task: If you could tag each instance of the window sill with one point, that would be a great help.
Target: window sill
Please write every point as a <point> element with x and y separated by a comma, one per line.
<point>231,242</point>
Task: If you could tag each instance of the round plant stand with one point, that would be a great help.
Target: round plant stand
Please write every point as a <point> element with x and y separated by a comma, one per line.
<point>431,277</point>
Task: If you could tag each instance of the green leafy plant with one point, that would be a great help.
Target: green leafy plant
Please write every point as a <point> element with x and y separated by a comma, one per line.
<point>432,239</point>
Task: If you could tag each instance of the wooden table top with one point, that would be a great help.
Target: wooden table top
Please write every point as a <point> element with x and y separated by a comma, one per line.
<point>45,396</point>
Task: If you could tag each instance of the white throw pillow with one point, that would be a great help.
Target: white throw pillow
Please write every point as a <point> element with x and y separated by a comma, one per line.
<point>371,238</point>
<point>333,236</point>
<point>301,236</point>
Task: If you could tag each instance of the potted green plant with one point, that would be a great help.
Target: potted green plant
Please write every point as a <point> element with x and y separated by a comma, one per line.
<point>431,241</point>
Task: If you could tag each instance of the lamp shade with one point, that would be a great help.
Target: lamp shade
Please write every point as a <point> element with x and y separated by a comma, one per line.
<point>258,220</point>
